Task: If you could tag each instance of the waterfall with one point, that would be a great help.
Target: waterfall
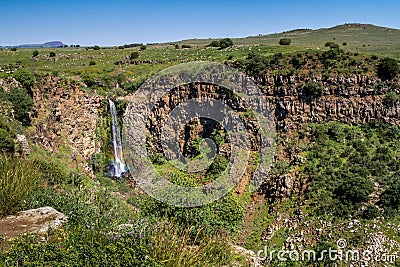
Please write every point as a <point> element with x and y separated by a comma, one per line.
<point>118,166</point>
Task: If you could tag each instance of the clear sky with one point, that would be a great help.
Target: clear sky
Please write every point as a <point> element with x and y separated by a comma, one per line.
<point>106,22</point>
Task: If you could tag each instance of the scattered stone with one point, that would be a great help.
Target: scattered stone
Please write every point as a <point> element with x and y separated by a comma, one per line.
<point>251,257</point>
<point>22,146</point>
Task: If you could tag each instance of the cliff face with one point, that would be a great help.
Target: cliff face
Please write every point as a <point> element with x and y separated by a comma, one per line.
<point>65,116</point>
<point>351,99</point>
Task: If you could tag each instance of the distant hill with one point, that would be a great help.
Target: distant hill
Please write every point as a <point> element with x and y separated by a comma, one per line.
<point>355,37</point>
<point>52,44</point>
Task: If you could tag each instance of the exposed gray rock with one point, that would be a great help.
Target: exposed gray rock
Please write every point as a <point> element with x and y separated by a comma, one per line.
<point>251,257</point>
<point>22,146</point>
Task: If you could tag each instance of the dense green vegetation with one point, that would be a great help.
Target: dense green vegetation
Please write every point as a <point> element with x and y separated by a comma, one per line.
<point>223,43</point>
<point>285,41</point>
<point>343,163</point>
<point>92,236</point>
<point>388,68</point>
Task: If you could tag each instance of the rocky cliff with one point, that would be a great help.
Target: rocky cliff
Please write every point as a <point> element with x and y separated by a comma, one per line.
<point>350,99</point>
<point>65,116</point>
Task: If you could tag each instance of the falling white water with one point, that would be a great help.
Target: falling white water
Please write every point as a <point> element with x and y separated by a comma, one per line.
<point>118,167</point>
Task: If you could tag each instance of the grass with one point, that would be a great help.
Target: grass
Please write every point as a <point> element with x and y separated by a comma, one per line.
<point>72,63</point>
<point>174,246</point>
<point>18,177</point>
<point>358,37</point>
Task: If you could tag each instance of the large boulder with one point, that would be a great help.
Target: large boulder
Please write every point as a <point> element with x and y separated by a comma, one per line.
<point>35,221</point>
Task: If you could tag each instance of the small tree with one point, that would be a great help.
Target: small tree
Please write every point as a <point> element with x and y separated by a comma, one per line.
<point>329,44</point>
<point>96,47</point>
<point>134,55</point>
<point>6,142</point>
<point>223,43</point>
<point>22,104</point>
<point>143,47</point>
<point>388,69</point>
<point>26,78</point>
<point>52,54</point>
<point>35,53</point>
<point>391,98</point>
<point>226,42</point>
<point>370,212</point>
<point>390,198</point>
<point>285,41</point>
<point>313,89</point>
<point>214,43</point>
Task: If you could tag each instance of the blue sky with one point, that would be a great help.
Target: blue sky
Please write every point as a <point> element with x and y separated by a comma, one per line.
<point>104,22</point>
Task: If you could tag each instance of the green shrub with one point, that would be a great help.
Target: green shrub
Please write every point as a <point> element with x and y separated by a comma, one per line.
<point>371,212</point>
<point>18,177</point>
<point>88,79</point>
<point>218,165</point>
<point>297,61</point>
<point>22,104</point>
<point>331,54</point>
<point>6,142</point>
<point>52,54</point>
<point>390,198</point>
<point>313,89</point>
<point>134,55</point>
<point>256,64</point>
<point>388,68</point>
<point>92,63</point>
<point>354,190</point>
<point>214,43</point>
<point>35,53</point>
<point>81,247</point>
<point>391,98</point>
<point>142,47</point>
<point>144,244</point>
<point>96,47</point>
<point>285,41</point>
<point>341,162</point>
<point>51,172</point>
<point>328,44</point>
<point>225,43</point>
<point>26,78</point>
<point>186,46</point>
<point>225,214</point>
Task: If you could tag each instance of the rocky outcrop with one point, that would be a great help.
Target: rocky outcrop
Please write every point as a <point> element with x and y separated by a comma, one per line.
<point>22,146</point>
<point>37,221</point>
<point>352,99</point>
<point>65,116</point>
<point>8,83</point>
<point>250,256</point>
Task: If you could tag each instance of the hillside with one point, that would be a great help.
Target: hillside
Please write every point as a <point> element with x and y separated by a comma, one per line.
<point>366,38</point>
<point>52,44</point>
